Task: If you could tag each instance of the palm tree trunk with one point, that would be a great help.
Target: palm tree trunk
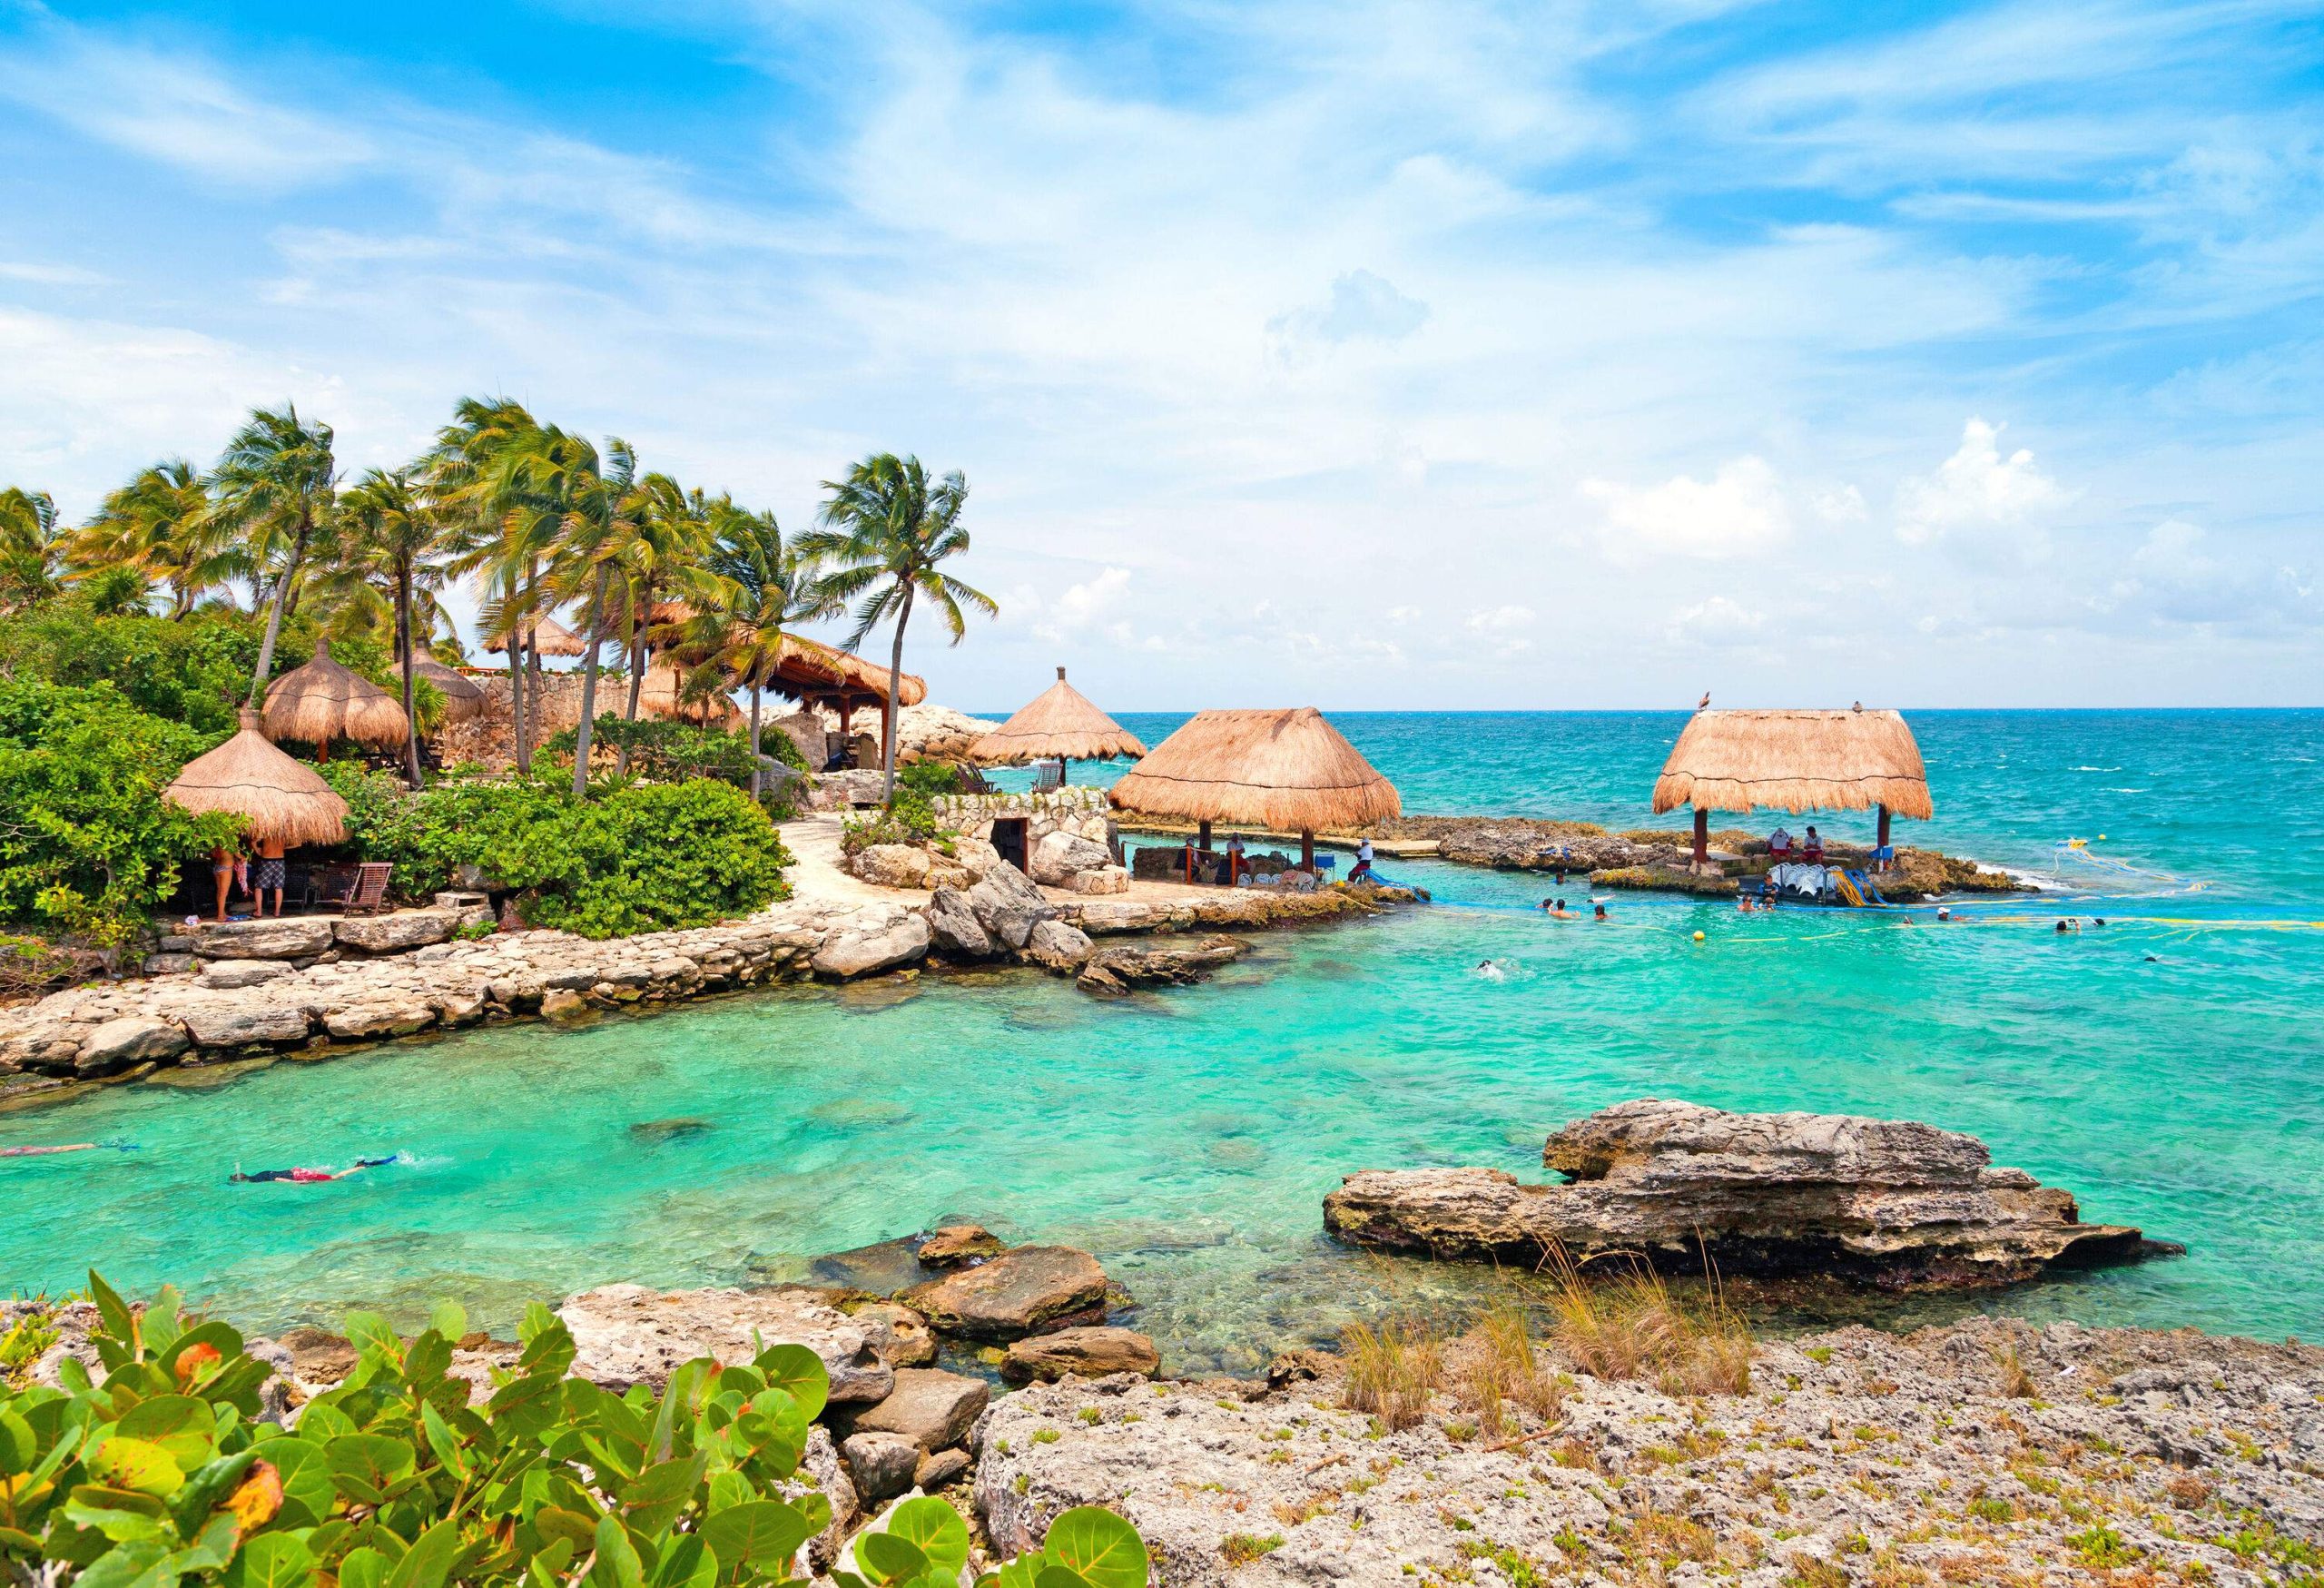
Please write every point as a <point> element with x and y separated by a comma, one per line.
<point>516,700</point>
<point>403,640</point>
<point>756,767</point>
<point>895,681</point>
<point>636,681</point>
<point>589,685</point>
<point>274,616</point>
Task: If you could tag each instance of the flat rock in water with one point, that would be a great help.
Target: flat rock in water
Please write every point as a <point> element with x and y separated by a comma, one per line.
<point>1886,1202</point>
<point>1117,970</point>
<point>958,1244</point>
<point>1022,1292</point>
<point>626,1334</point>
<point>1082,1353</point>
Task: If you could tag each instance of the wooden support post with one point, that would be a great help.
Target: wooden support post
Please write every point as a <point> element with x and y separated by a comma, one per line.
<point>1202,836</point>
<point>1702,836</point>
<point>1306,850</point>
<point>1883,840</point>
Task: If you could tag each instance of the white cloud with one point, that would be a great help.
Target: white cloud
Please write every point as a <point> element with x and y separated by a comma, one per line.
<point>1499,619</point>
<point>1739,511</point>
<point>48,275</point>
<point>1362,305</point>
<point>1976,489</point>
<point>1080,607</point>
<point>1716,621</point>
<point>1839,504</point>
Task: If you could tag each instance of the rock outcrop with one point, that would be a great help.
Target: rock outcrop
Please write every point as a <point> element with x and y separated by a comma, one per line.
<point>1112,972</point>
<point>1885,1202</point>
<point>1089,1351</point>
<point>626,1334</point>
<point>1027,1290</point>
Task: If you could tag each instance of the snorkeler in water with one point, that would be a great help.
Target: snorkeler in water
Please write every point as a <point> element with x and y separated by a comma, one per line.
<point>308,1177</point>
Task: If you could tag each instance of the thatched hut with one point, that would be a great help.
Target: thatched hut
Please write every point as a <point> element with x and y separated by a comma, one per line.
<point>1794,761</point>
<point>283,801</point>
<point>548,636</point>
<point>1289,771</point>
<point>464,698</point>
<point>661,694</point>
<point>323,703</point>
<point>1061,724</point>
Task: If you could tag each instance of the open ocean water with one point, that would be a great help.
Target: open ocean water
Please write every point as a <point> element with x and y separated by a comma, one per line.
<point>2168,1069</point>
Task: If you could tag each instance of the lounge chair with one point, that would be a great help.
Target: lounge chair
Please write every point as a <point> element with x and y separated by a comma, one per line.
<point>368,896</point>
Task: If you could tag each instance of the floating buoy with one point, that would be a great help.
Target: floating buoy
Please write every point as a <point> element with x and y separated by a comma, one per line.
<point>1699,937</point>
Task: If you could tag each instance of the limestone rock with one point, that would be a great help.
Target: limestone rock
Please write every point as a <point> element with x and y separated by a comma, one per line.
<point>1112,971</point>
<point>169,963</point>
<point>891,865</point>
<point>1056,946</point>
<point>1008,905</point>
<point>262,938</point>
<point>626,1334</point>
<point>1082,1353</point>
<point>1104,879</point>
<point>953,928</point>
<point>131,1038</point>
<point>230,974</point>
<point>1887,1202</point>
<point>859,954</point>
<point>932,1408</point>
<point>242,1024</point>
<point>381,1015</point>
<point>899,1337</point>
<point>563,1003</point>
<point>1060,856</point>
<point>821,1472</point>
<point>882,1464</point>
<point>406,929</point>
<point>957,1246</point>
<point>1021,1292</point>
<point>940,1467</point>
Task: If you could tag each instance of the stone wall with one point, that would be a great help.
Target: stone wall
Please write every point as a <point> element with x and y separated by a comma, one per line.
<point>1084,813</point>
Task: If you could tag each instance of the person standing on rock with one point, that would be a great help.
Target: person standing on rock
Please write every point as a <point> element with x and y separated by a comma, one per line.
<point>271,874</point>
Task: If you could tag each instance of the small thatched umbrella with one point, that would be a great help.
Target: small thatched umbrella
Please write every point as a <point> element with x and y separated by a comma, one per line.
<point>464,698</point>
<point>1062,724</point>
<point>322,703</point>
<point>659,695</point>
<point>1289,771</point>
<point>1794,761</point>
<point>548,637</point>
<point>280,801</point>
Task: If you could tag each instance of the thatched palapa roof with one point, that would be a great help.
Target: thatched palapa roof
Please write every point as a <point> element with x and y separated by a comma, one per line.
<point>1287,770</point>
<point>463,696</point>
<point>813,672</point>
<point>658,695</point>
<point>1795,761</point>
<point>283,801</point>
<point>322,703</point>
<point>550,637</point>
<point>1061,721</point>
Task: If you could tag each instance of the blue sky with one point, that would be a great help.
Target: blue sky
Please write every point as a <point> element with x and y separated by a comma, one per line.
<point>1354,355</point>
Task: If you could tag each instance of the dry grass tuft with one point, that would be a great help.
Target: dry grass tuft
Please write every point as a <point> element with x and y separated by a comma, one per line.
<point>1392,1370</point>
<point>2191,1491</point>
<point>1631,1325</point>
<point>1497,1363</point>
<point>2016,1383</point>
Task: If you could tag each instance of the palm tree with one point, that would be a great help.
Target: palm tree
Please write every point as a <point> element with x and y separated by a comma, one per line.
<point>768,586</point>
<point>161,524</point>
<point>663,562</point>
<point>396,534</point>
<point>275,484</point>
<point>498,543</point>
<point>31,548</point>
<point>886,531</point>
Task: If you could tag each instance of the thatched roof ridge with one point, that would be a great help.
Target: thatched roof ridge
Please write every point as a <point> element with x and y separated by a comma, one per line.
<point>1062,721</point>
<point>658,695</point>
<point>463,696</point>
<point>810,668</point>
<point>282,799</point>
<point>324,703</point>
<point>551,638</point>
<point>1795,760</point>
<point>1287,770</point>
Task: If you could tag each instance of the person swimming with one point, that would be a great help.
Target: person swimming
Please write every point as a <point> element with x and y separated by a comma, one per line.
<point>1491,970</point>
<point>1598,912</point>
<point>307,1177</point>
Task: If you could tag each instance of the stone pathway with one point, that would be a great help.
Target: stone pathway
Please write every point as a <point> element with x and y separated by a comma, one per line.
<point>814,872</point>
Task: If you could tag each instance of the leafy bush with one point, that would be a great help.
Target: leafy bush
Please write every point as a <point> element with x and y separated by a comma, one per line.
<point>86,845</point>
<point>775,742</point>
<point>393,1480</point>
<point>196,672</point>
<point>927,779</point>
<point>636,857</point>
<point>908,818</point>
<point>669,751</point>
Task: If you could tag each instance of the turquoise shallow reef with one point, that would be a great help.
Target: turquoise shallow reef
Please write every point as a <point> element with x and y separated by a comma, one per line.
<point>2168,1068</point>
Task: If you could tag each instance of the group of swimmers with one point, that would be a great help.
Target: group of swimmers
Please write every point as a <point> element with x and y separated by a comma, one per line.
<point>1556,910</point>
<point>2073,922</point>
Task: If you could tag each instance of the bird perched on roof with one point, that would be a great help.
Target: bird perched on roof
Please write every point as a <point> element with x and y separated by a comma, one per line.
<point>1857,706</point>
<point>1704,704</point>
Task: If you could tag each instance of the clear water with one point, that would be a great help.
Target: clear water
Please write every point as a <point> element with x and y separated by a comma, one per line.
<point>2167,1069</point>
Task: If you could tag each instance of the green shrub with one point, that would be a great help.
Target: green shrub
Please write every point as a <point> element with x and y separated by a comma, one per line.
<point>667,751</point>
<point>775,742</point>
<point>393,1480</point>
<point>196,672</point>
<point>927,779</point>
<point>635,857</point>
<point>87,848</point>
<point>908,818</point>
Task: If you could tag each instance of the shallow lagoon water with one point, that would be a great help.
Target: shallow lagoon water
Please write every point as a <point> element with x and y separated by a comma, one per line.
<point>1188,1138</point>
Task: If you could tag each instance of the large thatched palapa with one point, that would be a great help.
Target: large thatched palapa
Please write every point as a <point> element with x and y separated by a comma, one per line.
<point>322,703</point>
<point>1064,724</point>
<point>1289,771</point>
<point>284,801</point>
<point>660,693</point>
<point>1795,761</point>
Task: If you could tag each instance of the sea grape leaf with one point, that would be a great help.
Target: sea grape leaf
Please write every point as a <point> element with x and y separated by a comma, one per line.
<point>365,1466</point>
<point>757,1533</point>
<point>890,1557</point>
<point>617,1564</point>
<point>183,1424</point>
<point>363,1568</point>
<point>652,1500</point>
<point>1099,1545</point>
<point>123,1463</point>
<point>800,1371</point>
<point>19,1446</point>
<point>271,1560</point>
<point>373,1335</point>
<point>428,1560</point>
<point>935,1529</point>
<point>449,1320</point>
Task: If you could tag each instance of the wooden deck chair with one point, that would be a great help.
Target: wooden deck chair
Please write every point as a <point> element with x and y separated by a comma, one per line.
<point>368,896</point>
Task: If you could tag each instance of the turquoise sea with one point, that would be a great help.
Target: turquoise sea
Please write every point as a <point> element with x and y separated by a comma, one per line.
<point>2168,1068</point>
